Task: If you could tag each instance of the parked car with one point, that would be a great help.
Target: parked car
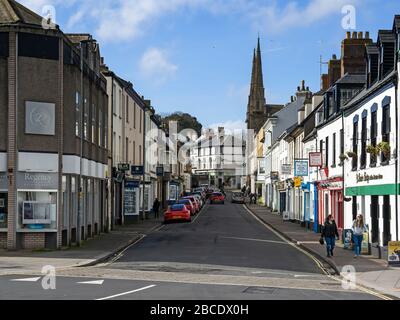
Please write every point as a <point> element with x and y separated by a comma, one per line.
<point>195,202</point>
<point>238,197</point>
<point>177,212</point>
<point>199,197</point>
<point>217,197</point>
<point>189,204</point>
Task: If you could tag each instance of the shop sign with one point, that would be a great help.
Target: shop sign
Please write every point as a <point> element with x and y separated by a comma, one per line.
<point>124,166</point>
<point>365,243</point>
<point>130,198</point>
<point>347,238</point>
<point>315,159</point>
<point>280,185</point>
<point>324,173</point>
<point>37,181</point>
<point>137,170</point>
<point>3,181</point>
<point>301,168</point>
<point>394,253</point>
<point>286,169</point>
<point>160,171</point>
<point>368,177</point>
<point>297,182</point>
<point>274,176</point>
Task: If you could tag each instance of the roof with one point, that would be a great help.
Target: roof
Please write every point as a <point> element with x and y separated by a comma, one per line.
<point>367,91</point>
<point>372,49</point>
<point>352,79</point>
<point>397,21</point>
<point>386,36</point>
<point>11,12</point>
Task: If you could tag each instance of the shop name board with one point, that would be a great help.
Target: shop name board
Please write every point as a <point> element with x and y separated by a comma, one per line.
<point>368,177</point>
<point>37,181</point>
<point>137,170</point>
<point>124,166</point>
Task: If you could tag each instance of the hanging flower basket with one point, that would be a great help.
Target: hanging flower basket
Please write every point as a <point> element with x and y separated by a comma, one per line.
<point>373,150</point>
<point>343,157</point>
<point>352,154</point>
<point>384,147</point>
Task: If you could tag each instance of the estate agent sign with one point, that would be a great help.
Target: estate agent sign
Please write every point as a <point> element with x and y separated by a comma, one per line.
<point>301,168</point>
<point>37,181</point>
<point>315,159</point>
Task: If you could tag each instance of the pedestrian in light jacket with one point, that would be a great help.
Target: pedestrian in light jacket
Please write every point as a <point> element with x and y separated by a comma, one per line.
<point>358,234</point>
<point>330,233</point>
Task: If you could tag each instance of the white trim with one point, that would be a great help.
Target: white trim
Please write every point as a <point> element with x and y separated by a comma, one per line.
<point>71,165</point>
<point>37,162</point>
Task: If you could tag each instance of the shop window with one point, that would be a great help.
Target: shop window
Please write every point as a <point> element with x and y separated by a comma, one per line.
<point>3,210</point>
<point>37,210</point>
<point>65,198</point>
<point>74,202</point>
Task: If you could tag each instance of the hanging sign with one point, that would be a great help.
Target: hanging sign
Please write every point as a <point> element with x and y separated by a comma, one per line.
<point>315,159</point>
<point>301,168</point>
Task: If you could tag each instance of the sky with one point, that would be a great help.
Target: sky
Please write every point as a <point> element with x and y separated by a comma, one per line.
<point>195,56</point>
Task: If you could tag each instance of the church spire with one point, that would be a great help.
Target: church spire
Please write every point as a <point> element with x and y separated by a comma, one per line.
<point>256,110</point>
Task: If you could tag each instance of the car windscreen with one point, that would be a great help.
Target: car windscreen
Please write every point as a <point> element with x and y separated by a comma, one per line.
<point>187,202</point>
<point>177,207</point>
<point>217,194</point>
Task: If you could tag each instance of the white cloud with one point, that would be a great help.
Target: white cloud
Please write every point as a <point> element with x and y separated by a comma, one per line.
<point>275,19</point>
<point>155,65</point>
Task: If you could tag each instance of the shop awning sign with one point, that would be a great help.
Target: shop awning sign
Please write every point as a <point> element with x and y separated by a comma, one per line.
<point>301,168</point>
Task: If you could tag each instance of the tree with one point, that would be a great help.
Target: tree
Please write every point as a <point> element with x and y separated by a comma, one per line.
<point>184,121</point>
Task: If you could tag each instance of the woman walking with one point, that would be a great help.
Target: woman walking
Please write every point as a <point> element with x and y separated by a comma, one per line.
<point>330,233</point>
<point>358,234</point>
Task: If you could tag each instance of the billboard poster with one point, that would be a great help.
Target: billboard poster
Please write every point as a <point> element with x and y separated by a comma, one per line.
<point>347,239</point>
<point>301,168</point>
<point>365,244</point>
<point>394,253</point>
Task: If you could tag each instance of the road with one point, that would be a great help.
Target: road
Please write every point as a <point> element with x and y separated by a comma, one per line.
<point>224,253</point>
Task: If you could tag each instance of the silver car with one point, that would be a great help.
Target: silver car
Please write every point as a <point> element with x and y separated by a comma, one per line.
<point>238,197</point>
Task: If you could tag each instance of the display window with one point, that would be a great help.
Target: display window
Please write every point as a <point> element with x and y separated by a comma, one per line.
<point>3,210</point>
<point>37,210</point>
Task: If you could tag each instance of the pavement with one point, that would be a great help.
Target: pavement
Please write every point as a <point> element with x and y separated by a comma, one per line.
<point>91,252</point>
<point>370,272</point>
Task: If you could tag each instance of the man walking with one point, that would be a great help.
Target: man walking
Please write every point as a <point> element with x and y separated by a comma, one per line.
<point>156,208</point>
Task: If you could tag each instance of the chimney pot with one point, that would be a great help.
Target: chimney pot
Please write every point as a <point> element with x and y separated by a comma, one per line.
<point>334,57</point>
<point>298,88</point>
<point>360,35</point>
<point>348,35</point>
<point>302,85</point>
<point>354,35</point>
<point>367,35</point>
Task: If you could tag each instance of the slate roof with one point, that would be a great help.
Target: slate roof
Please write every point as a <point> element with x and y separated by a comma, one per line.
<point>386,36</point>
<point>11,12</point>
<point>372,49</point>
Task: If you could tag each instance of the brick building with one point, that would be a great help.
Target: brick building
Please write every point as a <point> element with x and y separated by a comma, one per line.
<point>53,146</point>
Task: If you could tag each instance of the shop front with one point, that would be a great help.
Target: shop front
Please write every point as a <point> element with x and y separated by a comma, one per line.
<point>281,188</point>
<point>3,210</point>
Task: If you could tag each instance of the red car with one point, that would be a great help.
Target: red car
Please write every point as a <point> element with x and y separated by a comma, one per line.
<point>194,201</point>
<point>189,204</point>
<point>177,212</point>
<point>217,197</point>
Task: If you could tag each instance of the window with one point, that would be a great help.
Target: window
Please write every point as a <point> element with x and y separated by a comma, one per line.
<point>140,155</point>
<point>374,133</point>
<point>114,145</point>
<point>77,115</point>
<point>121,101</point>
<point>114,106</point>
<point>334,150</point>
<point>100,132</point>
<point>119,149</point>
<point>347,94</point>
<point>134,152</point>
<point>105,139</point>
<point>341,142</point>
<point>85,120</point>
<point>93,123</point>
<point>140,123</point>
<point>355,146</point>
<point>363,159</point>
<point>127,109</point>
<point>385,130</point>
<point>326,151</point>
<point>134,115</point>
<point>126,150</point>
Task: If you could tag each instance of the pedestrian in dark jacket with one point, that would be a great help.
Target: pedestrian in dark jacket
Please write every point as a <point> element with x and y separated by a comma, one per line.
<point>156,208</point>
<point>330,233</point>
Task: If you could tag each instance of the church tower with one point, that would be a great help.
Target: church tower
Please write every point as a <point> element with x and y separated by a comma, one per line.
<point>256,108</point>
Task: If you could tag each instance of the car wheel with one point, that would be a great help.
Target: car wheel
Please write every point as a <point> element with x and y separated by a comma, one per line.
<point>223,202</point>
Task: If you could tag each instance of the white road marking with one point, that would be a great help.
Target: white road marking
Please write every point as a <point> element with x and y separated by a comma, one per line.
<point>129,292</point>
<point>92,282</point>
<point>27,279</point>
<point>251,239</point>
